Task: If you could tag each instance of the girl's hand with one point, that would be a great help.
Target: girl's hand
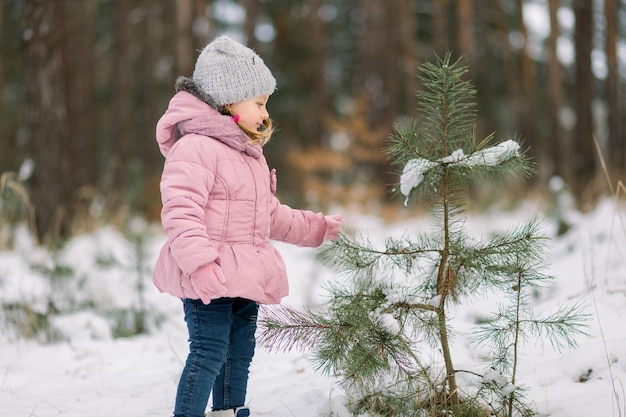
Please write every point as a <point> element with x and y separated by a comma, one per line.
<point>333,226</point>
<point>208,281</point>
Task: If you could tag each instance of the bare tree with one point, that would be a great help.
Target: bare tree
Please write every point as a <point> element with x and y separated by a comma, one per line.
<point>3,129</point>
<point>555,98</point>
<point>122,104</point>
<point>528,101</point>
<point>617,146</point>
<point>504,71</point>
<point>377,59</point>
<point>409,55</point>
<point>249,25</point>
<point>44,26</point>
<point>317,41</point>
<point>79,84</point>
<point>151,29</point>
<point>583,158</point>
<point>185,48</point>
<point>440,26</point>
<point>465,33</point>
<point>376,82</point>
<point>203,11</point>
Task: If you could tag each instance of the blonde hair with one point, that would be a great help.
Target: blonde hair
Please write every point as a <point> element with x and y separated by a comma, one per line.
<point>258,137</point>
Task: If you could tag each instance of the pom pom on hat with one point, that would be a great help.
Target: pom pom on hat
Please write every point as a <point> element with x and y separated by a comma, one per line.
<point>228,72</point>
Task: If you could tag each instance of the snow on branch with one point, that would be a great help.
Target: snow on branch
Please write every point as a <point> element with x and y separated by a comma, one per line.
<point>414,171</point>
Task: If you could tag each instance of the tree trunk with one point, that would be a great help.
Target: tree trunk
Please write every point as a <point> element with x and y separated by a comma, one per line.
<point>390,60</point>
<point>616,145</point>
<point>48,122</point>
<point>584,153</point>
<point>440,27</point>
<point>378,51</point>
<point>4,129</point>
<point>78,61</point>
<point>249,25</point>
<point>185,49</point>
<point>122,130</point>
<point>555,142</point>
<point>465,35</point>
<point>511,72</point>
<point>318,48</point>
<point>151,29</point>
<point>201,38</point>
<point>527,101</point>
<point>409,57</point>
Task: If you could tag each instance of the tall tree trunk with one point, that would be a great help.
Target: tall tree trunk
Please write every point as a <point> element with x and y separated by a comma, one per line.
<point>79,85</point>
<point>377,51</point>
<point>185,48</point>
<point>249,25</point>
<point>555,141</point>
<point>617,147</point>
<point>511,71</point>
<point>465,35</point>
<point>79,64</point>
<point>201,38</point>
<point>123,130</point>
<point>151,29</point>
<point>390,59</point>
<point>440,26</point>
<point>409,58</point>
<point>527,101</point>
<point>318,58</point>
<point>2,54</point>
<point>4,131</point>
<point>583,148</point>
<point>48,116</point>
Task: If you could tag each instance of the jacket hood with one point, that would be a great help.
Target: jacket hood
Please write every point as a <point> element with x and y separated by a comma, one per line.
<point>183,106</point>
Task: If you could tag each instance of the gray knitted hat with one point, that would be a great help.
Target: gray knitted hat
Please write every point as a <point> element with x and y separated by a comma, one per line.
<point>228,72</point>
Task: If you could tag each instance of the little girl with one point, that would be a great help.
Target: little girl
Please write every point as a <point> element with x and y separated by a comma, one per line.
<point>219,213</point>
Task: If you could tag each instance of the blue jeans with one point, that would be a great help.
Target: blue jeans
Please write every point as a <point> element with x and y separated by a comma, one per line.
<point>221,347</point>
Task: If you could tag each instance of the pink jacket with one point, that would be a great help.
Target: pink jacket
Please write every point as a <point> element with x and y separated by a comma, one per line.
<point>219,206</point>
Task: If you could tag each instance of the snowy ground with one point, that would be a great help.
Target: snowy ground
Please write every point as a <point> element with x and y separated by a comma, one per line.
<point>91,374</point>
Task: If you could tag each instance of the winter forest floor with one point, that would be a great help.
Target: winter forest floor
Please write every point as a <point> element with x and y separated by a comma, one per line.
<point>86,372</point>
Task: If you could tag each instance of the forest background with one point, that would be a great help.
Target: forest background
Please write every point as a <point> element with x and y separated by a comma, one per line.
<point>83,83</point>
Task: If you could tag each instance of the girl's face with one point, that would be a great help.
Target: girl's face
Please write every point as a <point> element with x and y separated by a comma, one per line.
<point>251,112</point>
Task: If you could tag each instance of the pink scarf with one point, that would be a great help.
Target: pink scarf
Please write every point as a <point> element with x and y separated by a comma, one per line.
<point>222,128</point>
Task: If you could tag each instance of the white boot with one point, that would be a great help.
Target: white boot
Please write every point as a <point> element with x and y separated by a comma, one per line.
<point>220,413</point>
<point>237,412</point>
<point>242,412</point>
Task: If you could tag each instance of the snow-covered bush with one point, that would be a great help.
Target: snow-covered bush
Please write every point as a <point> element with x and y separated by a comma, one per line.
<point>92,285</point>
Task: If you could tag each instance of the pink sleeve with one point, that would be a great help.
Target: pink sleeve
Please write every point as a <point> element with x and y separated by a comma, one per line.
<point>298,227</point>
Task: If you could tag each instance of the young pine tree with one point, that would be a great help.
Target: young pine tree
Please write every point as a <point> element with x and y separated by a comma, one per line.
<point>395,298</point>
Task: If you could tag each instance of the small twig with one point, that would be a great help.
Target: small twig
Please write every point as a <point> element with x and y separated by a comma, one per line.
<point>608,359</point>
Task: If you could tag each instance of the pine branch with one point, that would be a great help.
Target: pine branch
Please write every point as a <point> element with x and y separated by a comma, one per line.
<point>446,106</point>
<point>493,261</point>
<point>350,255</point>
<point>283,328</point>
<point>561,327</point>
